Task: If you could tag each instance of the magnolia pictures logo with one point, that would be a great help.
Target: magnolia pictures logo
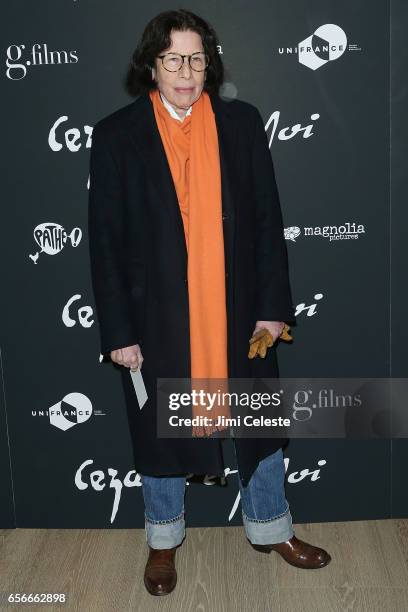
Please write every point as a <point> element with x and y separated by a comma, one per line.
<point>19,59</point>
<point>326,44</point>
<point>347,231</point>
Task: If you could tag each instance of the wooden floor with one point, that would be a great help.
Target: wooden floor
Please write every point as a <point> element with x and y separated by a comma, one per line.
<point>102,570</point>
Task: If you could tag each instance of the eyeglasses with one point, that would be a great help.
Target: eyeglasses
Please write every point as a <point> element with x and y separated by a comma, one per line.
<point>174,61</point>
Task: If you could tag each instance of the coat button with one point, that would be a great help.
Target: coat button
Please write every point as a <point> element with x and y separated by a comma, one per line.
<point>224,217</point>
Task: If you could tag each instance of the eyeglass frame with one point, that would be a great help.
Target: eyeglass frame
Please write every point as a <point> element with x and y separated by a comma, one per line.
<point>182,57</point>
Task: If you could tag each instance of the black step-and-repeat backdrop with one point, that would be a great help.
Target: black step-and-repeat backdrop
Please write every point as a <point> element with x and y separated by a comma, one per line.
<point>319,72</point>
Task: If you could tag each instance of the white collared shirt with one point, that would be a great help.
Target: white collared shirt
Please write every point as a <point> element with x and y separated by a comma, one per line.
<point>171,109</point>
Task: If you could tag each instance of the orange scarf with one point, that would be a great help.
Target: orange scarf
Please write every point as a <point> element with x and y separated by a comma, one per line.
<point>191,148</point>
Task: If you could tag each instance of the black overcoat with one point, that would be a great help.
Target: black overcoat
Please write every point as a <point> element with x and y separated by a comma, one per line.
<point>138,262</point>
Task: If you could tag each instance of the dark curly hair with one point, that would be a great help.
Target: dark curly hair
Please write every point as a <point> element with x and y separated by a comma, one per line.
<point>156,38</point>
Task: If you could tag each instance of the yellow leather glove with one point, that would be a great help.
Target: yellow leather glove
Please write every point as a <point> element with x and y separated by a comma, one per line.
<point>263,339</point>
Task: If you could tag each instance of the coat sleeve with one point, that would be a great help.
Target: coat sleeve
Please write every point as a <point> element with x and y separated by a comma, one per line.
<point>117,328</point>
<point>273,293</point>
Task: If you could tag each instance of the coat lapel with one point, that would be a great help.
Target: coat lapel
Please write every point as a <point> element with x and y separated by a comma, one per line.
<point>146,138</point>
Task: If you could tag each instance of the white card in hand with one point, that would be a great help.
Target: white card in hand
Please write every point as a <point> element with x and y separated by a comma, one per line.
<point>139,386</point>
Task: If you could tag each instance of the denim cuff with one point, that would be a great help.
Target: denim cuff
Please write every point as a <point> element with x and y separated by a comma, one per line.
<point>167,533</point>
<point>272,531</point>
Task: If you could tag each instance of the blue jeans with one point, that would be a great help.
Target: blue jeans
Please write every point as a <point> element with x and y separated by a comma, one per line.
<point>265,510</point>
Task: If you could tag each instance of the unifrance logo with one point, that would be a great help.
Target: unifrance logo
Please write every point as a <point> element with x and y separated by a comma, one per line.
<point>73,409</point>
<point>326,44</point>
<point>52,237</point>
<point>19,59</point>
<point>347,231</point>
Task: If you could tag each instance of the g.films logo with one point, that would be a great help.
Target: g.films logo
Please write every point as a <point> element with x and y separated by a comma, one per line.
<point>38,55</point>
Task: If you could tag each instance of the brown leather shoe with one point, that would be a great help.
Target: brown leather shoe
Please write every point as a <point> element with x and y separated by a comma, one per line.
<point>160,576</point>
<point>298,553</point>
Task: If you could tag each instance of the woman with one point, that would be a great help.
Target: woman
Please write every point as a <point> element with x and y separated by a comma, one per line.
<point>188,262</point>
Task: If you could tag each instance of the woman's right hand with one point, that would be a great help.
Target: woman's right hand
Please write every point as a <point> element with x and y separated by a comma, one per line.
<point>129,356</point>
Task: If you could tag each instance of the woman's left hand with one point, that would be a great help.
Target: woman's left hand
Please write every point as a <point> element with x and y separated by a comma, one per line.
<point>275,328</point>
